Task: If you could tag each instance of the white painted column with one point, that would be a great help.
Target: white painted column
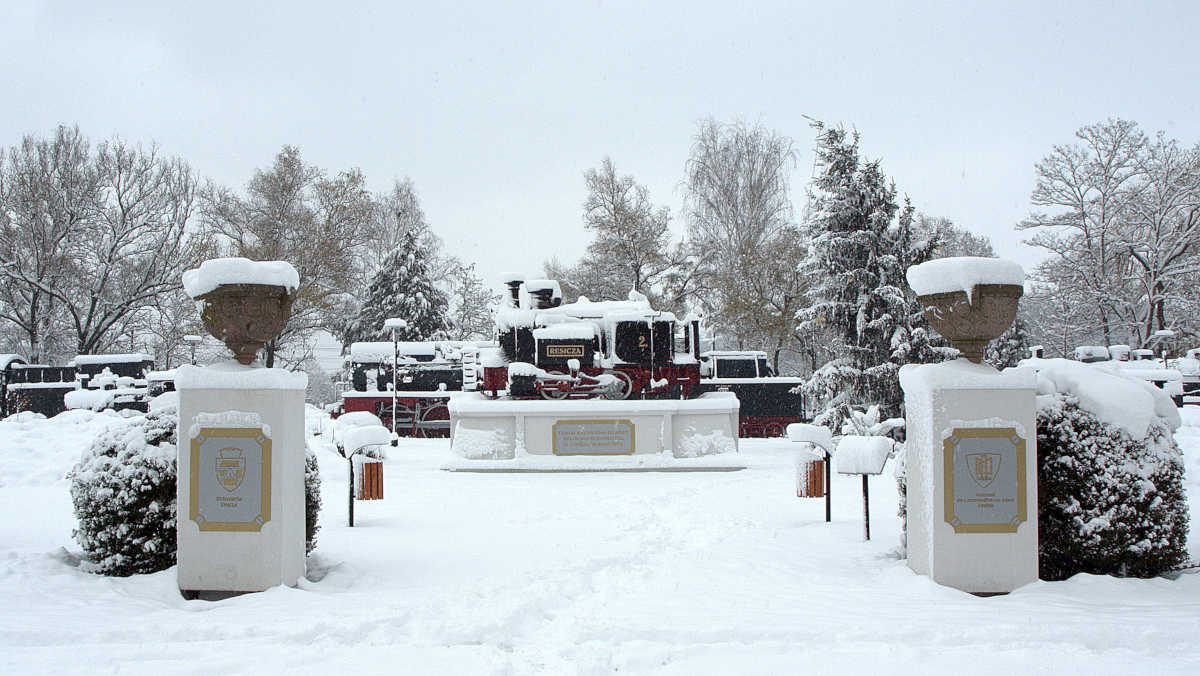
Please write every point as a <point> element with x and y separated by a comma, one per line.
<point>972,475</point>
<point>241,512</point>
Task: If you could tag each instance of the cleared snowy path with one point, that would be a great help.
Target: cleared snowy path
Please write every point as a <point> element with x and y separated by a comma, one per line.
<point>569,573</point>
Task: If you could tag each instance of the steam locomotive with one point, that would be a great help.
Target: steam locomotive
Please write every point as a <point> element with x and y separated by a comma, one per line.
<point>612,349</point>
<point>548,349</point>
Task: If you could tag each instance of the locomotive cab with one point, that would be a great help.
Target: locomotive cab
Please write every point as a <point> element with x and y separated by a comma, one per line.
<point>645,341</point>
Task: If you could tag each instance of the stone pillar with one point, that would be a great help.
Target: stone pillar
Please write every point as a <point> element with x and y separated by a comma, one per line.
<point>241,512</point>
<point>971,456</point>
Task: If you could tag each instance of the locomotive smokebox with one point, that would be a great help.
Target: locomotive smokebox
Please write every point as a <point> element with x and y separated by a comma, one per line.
<point>555,353</point>
<point>557,345</point>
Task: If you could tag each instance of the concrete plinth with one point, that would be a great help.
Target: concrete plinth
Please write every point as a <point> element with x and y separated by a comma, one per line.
<point>972,475</point>
<point>594,434</point>
<point>241,478</point>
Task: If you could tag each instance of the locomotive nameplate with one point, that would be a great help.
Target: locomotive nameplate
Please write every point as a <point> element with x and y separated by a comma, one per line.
<point>593,437</point>
<point>984,480</point>
<point>564,351</point>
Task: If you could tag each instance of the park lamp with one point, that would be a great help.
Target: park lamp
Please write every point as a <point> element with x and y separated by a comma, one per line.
<point>394,324</point>
<point>1163,336</point>
<point>193,341</point>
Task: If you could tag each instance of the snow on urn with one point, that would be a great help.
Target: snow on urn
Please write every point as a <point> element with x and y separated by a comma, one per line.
<point>244,303</point>
<point>968,300</point>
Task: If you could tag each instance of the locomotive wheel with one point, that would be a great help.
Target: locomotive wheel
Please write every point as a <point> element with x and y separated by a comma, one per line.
<point>555,394</point>
<point>405,418</point>
<point>428,428</point>
<point>622,388</point>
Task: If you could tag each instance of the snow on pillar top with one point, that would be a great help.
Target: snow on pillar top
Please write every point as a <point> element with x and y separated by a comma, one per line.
<point>234,376</point>
<point>961,374</point>
<point>217,271</point>
<point>962,273</point>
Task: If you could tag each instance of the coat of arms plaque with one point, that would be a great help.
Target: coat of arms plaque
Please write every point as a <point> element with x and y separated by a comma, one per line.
<point>230,477</point>
<point>984,480</point>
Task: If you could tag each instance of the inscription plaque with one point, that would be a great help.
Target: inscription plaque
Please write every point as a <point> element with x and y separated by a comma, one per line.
<point>985,488</point>
<point>593,437</point>
<point>230,479</point>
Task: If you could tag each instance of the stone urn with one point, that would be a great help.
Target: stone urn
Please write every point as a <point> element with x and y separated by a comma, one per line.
<point>246,316</point>
<point>970,324</point>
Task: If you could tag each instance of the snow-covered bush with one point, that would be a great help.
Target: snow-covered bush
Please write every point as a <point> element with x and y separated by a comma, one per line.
<point>1108,503</point>
<point>867,423</point>
<point>123,489</point>
<point>312,500</point>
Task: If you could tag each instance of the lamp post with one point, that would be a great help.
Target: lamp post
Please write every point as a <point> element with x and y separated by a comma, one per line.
<point>394,324</point>
<point>193,341</point>
<point>1163,336</point>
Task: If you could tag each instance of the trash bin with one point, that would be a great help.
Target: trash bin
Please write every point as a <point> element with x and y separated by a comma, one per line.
<point>810,478</point>
<point>369,485</point>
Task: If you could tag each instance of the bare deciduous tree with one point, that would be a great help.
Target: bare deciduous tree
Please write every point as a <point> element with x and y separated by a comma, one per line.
<point>98,236</point>
<point>137,243</point>
<point>739,213</point>
<point>46,186</point>
<point>293,212</point>
<point>172,316</point>
<point>1083,186</point>
<point>953,239</point>
<point>1123,228</point>
<point>1162,231</point>
<point>631,246</point>
<point>471,305</point>
<point>630,232</point>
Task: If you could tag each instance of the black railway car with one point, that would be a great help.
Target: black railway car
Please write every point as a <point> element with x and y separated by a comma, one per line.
<point>136,366</point>
<point>426,374</point>
<point>8,363</point>
<point>38,388</point>
<point>769,403</point>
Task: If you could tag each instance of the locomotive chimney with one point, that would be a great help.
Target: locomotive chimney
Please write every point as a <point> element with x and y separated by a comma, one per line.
<point>514,290</point>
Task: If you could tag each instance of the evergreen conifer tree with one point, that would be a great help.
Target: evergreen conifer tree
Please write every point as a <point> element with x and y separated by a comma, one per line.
<point>861,242</point>
<point>1010,347</point>
<point>402,289</point>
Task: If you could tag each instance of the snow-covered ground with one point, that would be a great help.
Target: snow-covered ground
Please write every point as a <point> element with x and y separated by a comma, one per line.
<point>679,573</point>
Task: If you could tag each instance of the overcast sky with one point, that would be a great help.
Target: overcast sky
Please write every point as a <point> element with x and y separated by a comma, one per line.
<point>496,110</point>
